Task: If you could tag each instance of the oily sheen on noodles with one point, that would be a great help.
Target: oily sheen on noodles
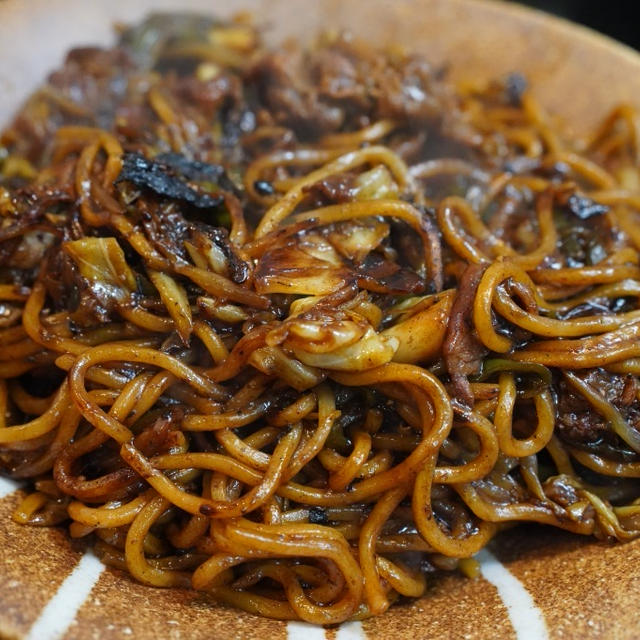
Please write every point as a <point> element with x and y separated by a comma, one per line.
<point>301,327</point>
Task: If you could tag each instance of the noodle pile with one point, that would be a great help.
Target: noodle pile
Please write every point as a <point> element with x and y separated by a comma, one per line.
<point>298,340</point>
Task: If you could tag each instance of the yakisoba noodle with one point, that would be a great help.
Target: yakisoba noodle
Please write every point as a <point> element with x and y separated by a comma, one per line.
<point>299,328</point>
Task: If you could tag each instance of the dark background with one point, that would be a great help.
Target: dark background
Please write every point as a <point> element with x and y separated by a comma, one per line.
<point>616,18</point>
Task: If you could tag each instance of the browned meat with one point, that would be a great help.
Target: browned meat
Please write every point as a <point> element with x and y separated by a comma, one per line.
<point>209,95</point>
<point>69,290</point>
<point>347,84</point>
<point>378,274</point>
<point>463,352</point>
<point>333,189</point>
<point>629,391</point>
<point>291,97</point>
<point>578,423</point>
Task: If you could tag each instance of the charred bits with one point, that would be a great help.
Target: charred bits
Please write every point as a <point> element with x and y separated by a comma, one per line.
<point>166,177</point>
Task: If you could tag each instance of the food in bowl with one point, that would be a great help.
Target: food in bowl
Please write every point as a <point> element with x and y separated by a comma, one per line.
<point>299,327</point>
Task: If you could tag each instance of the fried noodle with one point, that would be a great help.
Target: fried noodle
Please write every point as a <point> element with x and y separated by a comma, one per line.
<point>298,328</point>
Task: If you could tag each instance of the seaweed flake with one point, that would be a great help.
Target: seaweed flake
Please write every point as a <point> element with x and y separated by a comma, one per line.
<point>164,176</point>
